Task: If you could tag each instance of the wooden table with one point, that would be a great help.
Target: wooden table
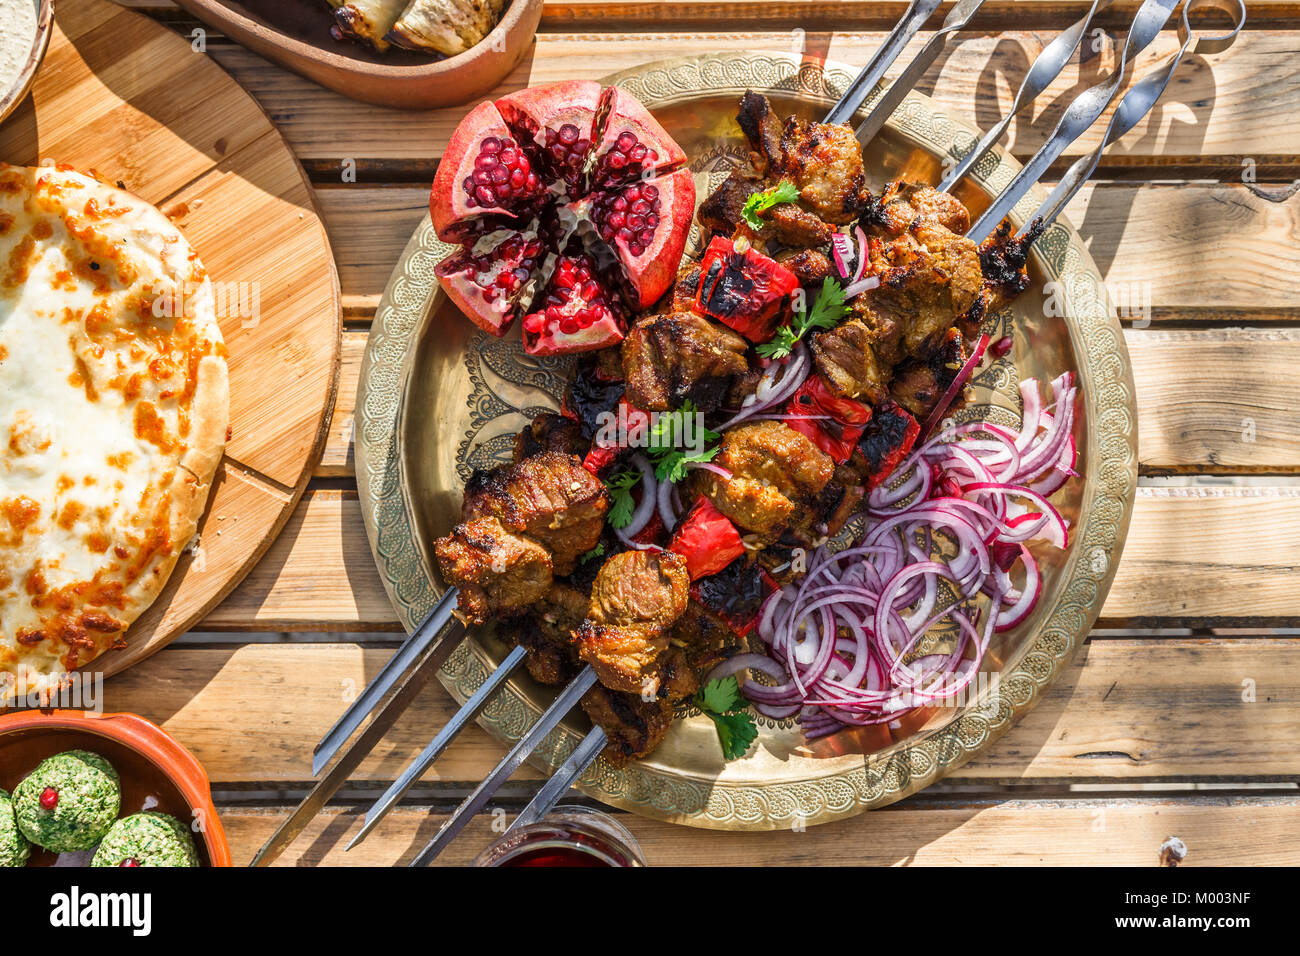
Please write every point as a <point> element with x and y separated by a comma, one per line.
<point>1181,715</point>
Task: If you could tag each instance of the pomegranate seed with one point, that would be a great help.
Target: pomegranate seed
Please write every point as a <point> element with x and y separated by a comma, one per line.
<point>568,134</point>
<point>626,141</point>
<point>130,861</point>
<point>1002,346</point>
<point>49,798</point>
<point>491,144</point>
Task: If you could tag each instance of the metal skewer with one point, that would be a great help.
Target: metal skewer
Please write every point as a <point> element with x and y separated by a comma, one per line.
<point>1139,100</point>
<point>583,756</point>
<point>960,15</point>
<point>1079,117</point>
<point>910,22</point>
<point>407,687</point>
<point>529,742</point>
<point>1045,69</point>
<point>417,767</point>
<point>438,627</point>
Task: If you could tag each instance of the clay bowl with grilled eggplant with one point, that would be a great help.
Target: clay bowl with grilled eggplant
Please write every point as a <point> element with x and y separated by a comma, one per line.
<point>418,54</point>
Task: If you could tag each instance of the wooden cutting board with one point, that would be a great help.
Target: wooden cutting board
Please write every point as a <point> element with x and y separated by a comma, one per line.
<point>137,105</point>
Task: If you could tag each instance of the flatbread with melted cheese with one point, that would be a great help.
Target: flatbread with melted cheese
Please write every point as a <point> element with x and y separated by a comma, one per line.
<point>113,413</point>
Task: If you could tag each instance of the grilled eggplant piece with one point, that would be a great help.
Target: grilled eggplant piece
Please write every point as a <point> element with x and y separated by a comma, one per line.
<point>368,20</point>
<point>446,26</point>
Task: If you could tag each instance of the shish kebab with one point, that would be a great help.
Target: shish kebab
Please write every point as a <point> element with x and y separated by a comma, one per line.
<point>591,746</point>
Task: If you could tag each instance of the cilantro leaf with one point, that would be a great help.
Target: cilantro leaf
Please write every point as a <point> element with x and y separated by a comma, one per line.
<point>720,696</point>
<point>597,552</point>
<point>785,192</point>
<point>722,702</point>
<point>828,309</point>
<point>671,427</point>
<point>620,489</point>
<point>672,466</point>
<point>736,733</point>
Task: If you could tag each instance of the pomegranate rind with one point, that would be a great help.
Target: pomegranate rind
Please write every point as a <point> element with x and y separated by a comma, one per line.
<point>449,205</point>
<point>652,273</point>
<point>457,280</point>
<point>622,112</point>
<point>532,112</point>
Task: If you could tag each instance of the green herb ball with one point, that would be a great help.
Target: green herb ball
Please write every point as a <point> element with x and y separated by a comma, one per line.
<point>14,848</point>
<point>147,839</point>
<point>69,802</point>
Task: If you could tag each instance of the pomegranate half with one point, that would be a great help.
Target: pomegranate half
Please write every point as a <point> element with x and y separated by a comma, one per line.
<point>570,207</point>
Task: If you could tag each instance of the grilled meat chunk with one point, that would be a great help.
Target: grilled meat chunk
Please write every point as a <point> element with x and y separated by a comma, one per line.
<point>668,359</point>
<point>774,470</point>
<point>762,127</point>
<point>824,161</point>
<point>546,631</point>
<point>497,571</point>
<point>1003,257</point>
<point>719,214</point>
<point>550,432</point>
<point>903,204</point>
<point>636,597</point>
<point>848,357</point>
<point>634,726</point>
<point>920,384</point>
<point>809,266</point>
<point>793,226</point>
<point>549,497</point>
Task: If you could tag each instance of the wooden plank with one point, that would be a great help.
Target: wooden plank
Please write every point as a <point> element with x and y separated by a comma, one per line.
<point>1131,710</point>
<point>1221,400</point>
<point>1221,556</point>
<point>1199,251</point>
<point>1110,832</point>
<point>1218,108</point>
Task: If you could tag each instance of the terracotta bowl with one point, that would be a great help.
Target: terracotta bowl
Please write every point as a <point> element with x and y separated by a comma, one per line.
<point>295,34</point>
<point>9,99</point>
<point>157,773</point>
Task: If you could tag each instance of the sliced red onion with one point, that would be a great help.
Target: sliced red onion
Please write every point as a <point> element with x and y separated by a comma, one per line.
<point>786,377</point>
<point>863,285</point>
<point>645,507</point>
<point>840,639</point>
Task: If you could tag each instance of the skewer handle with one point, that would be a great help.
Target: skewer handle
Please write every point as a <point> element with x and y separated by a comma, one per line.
<point>438,626</point>
<point>1140,99</point>
<point>1079,117</point>
<point>1045,69</point>
<point>477,800</point>
<point>911,21</point>
<point>459,721</point>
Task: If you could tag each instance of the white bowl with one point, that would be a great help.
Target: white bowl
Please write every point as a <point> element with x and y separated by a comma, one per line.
<point>9,99</point>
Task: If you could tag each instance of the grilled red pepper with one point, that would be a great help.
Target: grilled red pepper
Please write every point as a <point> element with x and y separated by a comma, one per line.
<point>707,539</point>
<point>887,440</point>
<point>735,594</point>
<point>611,433</point>
<point>743,289</point>
<point>838,432</point>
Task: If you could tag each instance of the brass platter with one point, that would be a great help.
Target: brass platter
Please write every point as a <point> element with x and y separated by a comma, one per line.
<point>438,398</point>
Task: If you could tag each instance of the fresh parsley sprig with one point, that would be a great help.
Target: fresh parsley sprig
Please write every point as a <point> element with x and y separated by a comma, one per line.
<point>620,491</point>
<point>721,702</point>
<point>671,427</point>
<point>828,310</point>
<point>784,192</point>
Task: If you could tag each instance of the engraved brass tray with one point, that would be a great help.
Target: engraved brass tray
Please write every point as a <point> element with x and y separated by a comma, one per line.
<point>438,399</point>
